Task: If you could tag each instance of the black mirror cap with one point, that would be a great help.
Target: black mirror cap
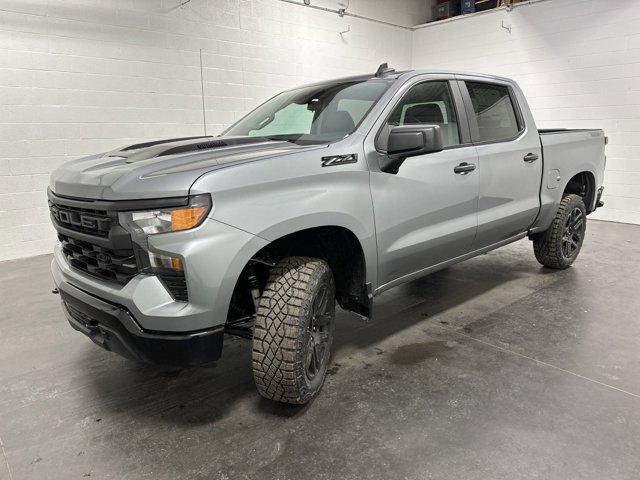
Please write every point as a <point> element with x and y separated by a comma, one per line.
<point>408,141</point>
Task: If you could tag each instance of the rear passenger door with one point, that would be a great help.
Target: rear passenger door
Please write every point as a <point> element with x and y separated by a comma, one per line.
<point>509,160</point>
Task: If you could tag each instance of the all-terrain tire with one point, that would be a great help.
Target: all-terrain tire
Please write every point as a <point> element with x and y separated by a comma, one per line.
<point>548,245</point>
<point>287,365</point>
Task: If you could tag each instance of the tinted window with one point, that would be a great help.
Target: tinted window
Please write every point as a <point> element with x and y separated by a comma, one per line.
<point>428,103</point>
<point>494,111</point>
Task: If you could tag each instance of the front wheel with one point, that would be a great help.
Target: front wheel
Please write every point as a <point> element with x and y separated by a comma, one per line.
<point>293,330</point>
<point>560,244</point>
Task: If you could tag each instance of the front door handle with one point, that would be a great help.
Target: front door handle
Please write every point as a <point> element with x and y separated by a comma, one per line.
<point>530,157</point>
<point>464,168</point>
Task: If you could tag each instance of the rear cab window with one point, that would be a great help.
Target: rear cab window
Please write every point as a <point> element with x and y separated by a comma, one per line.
<point>494,111</point>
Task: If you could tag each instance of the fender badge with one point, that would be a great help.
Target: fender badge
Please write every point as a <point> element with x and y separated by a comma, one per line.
<point>334,160</point>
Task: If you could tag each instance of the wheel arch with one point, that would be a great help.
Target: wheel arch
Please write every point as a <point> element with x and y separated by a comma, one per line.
<point>583,184</point>
<point>338,245</point>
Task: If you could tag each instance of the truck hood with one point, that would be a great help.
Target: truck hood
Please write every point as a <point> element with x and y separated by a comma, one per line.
<point>164,168</point>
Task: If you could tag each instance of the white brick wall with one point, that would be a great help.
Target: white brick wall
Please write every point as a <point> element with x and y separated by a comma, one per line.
<point>83,76</point>
<point>578,62</point>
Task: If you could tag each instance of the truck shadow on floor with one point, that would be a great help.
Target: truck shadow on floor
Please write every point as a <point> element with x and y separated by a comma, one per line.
<point>206,395</point>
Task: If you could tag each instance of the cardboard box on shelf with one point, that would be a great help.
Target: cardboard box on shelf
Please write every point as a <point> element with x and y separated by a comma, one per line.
<point>446,9</point>
<point>482,5</point>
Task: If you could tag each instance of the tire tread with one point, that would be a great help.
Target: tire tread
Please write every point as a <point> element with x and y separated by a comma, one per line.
<point>547,244</point>
<point>279,330</point>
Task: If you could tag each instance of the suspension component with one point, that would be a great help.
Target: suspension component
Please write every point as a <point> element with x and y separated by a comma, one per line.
<point>254,286</point>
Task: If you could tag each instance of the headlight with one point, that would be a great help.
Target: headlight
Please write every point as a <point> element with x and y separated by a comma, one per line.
<point>167,219</point>
<point>143,223</point>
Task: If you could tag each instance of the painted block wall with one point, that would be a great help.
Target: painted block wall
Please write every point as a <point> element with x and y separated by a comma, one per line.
<point>85,76</point>
<point>578,62</point>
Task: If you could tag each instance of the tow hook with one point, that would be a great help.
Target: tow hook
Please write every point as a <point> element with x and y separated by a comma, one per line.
<point>55,291</point>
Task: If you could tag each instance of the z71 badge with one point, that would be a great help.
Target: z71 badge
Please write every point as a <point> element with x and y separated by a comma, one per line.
<point>334,160</point>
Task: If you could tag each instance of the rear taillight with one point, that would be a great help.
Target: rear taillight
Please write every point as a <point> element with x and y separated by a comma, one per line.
<point>606,140</point>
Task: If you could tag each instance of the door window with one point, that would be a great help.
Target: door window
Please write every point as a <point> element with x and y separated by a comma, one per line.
<point>494,111</point>
<point>427,103</point>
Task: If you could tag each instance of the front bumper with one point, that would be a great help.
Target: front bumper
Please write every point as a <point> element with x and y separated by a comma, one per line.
<point>213,254</point>
<point>140,320</point>
<point>135,314</point>
<point>113,328</point>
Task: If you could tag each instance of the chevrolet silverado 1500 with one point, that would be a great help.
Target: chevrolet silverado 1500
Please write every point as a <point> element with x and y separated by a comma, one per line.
<point>332,192</point>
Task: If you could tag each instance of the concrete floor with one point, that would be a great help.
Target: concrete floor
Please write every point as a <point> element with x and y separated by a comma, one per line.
<point>492,369</point>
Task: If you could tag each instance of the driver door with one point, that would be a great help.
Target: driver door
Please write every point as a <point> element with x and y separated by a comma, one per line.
<point>427,212</point>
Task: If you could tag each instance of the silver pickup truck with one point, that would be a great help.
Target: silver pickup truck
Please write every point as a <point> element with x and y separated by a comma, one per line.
<point>335,191</point>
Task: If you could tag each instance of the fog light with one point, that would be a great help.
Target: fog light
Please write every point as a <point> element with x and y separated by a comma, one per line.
<point>157,260</point>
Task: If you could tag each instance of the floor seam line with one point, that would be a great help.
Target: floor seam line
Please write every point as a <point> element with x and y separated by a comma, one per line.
<point>6,460</point>
<point>540,362</point>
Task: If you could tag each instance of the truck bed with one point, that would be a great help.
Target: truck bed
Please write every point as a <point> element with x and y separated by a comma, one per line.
<point>565,153</point>
<point>547,131</point>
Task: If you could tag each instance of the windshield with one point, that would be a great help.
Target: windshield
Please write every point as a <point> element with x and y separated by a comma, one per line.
<point>316,114</point>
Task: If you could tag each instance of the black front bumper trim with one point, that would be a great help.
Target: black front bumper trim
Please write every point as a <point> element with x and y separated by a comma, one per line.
<point>110,326</point>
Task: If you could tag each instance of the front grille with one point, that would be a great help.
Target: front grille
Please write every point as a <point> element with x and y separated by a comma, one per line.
<point>94,242</point>
<point>85,220</point>
<point>112,265</point>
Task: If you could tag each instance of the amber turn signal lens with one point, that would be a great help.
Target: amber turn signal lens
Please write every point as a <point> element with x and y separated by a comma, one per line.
<point>187,218</point>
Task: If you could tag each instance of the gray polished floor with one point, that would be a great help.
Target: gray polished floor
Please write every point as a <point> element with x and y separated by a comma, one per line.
<point>492,369</point>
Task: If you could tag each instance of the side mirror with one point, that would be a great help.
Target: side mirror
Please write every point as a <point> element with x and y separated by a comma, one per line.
<point>408,141</point>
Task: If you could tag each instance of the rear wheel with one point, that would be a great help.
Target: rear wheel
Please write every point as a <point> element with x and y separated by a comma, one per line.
<point>293,330</point>
<point>560,244</point>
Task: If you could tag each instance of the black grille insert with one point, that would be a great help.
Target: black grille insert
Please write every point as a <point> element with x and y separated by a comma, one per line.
<point>176,284</point>
<point>81,316</point>
<point>85,220</point>
<point>112,265</point>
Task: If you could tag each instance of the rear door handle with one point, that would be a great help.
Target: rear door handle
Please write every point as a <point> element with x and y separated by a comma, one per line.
<point>530,157</point>
<point>464,168</point>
